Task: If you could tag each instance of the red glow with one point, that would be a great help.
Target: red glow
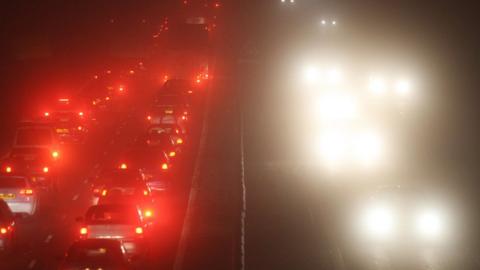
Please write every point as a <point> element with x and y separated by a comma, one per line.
<point>45,169</point>
<point>149,118</point>
<point>104,192</point>
<point>172,154</point>
<point>131,72</point>
<point>80,114</point>
<point>145,192</point>
<point>179,141</point>
<point>148,213</point>
<point>123,166</point>
<point>26,191</point>
<point>3,230</point>
<point>55,154</point>
<point>164,166</point>
<point>46,114</point>
<point>80,128</point>
<point>83,231</point>
<point>139,230</point>
<point>8,169</point>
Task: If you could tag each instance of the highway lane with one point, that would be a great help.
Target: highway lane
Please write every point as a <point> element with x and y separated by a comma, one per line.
<point>48,234</point>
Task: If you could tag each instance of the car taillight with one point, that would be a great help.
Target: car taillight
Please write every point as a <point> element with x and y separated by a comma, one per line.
<point>139,230</point>
<point>148,213</point>
<point>79,128</point>
<point>80,114</point>
<point>107,98</point>
<point>198,81</point>
<point>123,166</point>
<point>8,169</point>
<point>26,191</point>
<point>5,230</point>
<point>179,141</point>
<point>55,154</point>
<point>172,154</point>
<point>184,117</point>
<point>45,169</point>
<point>46,114</point>
<point>145,192</point>
<point>104,192</point>
<point>149,118</point>
<point>83,231</point>
<point>185,112</point>
<point>190,92</point>
<point>164,166</point>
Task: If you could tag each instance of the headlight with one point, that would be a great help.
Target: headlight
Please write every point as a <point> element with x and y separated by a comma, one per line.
<point>430,224</point>
<point>403,87</point>
<point>379,221</point>
<point>369,148</point>
<point>311,75</point>
<point>377,85</point>
<point>333,148</point>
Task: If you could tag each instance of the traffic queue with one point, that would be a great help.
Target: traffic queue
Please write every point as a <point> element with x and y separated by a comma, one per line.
<point>126,191</point>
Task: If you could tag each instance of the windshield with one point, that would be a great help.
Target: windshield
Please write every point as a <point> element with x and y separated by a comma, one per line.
<point>112,214</point>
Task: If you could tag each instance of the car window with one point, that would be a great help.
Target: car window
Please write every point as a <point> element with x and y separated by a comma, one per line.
<point>112,214</point>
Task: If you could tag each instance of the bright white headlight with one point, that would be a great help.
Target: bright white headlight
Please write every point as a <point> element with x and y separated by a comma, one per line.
<point>403,87</point>
<point>369,148</point>
<point>337,106</point>
<point>377,85</point>
<point>379,221</point>
<point>311,74</point>
<point>430,224</point>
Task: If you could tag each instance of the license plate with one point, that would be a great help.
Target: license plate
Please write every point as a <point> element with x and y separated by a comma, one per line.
<point>62,130</point>
<point>7,196</point>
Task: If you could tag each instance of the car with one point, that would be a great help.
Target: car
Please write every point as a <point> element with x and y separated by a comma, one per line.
<point>37,164</point>
<point>19,193</point>
<point>154,164</point>
<point>178,133</point>
<point>123,222</point>
<point>164,142</point>
<point>36,135</point>
<point>69,118</point>
<point>96,254</point>
<point>123,182</point>
<point>180,87</point>
<point>159,114</point>
<point>397,215</point>
<point>7,227</point>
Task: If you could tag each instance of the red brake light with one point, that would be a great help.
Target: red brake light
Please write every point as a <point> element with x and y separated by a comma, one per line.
<point>123,166</point>
<point>139,230</point>
<point>46,114</point>
<point>148,213</point>
<point>172,154</point>
<point>45,169</point>
<point>83,231</point>
<point>198,81</point>
<point>8,169</point>
<point>27,191</point>
<point>164,166</point>
<point>121,88</point>
<point>131,72</point>
<point>149,118</point>
<point>104,192</point>
<point>3,230</point>
<point>145,192</point>
<point>80,114</point>
<point>79,128</point>
<point>179,141</point>
<point>95,77</point>
<point>55,154</point>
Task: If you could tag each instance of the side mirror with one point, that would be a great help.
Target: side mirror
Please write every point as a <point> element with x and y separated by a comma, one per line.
<point>79,219</point>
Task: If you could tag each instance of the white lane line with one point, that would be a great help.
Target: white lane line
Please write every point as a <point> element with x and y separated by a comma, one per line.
<point>243,213</point>
<point>75,197</point>
<point>182,245</point>
<point>48,239</point>
<point>32,264</point>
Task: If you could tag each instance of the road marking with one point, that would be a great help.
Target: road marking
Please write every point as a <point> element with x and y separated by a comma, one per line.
<point>32,264</point>
<point>185,233</point>
<point>243,213</point>
<point>75,197</point>
<point>49,238</point>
